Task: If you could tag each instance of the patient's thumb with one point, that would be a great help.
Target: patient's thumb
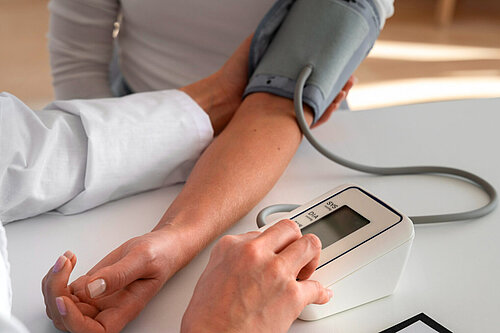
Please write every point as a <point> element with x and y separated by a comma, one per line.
<point>110,279</point>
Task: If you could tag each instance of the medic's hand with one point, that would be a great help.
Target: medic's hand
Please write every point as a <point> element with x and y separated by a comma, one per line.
<point>336,102</point>
<point>113,292</point>
<point>250,283</point>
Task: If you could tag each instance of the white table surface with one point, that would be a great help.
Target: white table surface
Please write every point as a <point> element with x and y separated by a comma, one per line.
<point>453,273</point>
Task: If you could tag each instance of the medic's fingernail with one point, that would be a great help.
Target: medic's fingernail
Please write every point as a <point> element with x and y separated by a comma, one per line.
<point>59,264</point>
<point>96,287</point>
<point>330,294</point>
<point>68,254</point>
<point>61,307</point>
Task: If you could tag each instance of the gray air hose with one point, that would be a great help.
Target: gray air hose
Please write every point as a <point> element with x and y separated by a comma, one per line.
<point>467,215</point>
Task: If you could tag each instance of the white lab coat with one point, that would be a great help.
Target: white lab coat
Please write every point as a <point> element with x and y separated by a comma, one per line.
<point>75,155</point>
<point>8,323</point>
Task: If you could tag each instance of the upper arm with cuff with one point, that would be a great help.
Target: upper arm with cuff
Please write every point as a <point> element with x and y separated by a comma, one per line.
<point>331,37</point>
<point>81,46</point>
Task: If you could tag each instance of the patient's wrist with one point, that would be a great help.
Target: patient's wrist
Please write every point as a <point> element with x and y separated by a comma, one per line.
<point>188,235</point>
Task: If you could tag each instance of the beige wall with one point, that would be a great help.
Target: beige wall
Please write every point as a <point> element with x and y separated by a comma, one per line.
<point>24,60</point>
<point>415,59</point>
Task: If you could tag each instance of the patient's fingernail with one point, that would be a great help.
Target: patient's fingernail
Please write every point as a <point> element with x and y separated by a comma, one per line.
<point>68,254</point>
<point>59,264</point>
<point>96,287</point>
<point>61,307</point>
<point>330,293</point>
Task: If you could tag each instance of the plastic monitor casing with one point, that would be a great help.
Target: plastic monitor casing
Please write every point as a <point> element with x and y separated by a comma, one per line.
<point>369,265</point>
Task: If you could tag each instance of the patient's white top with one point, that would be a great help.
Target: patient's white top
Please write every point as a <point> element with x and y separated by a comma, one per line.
<point>163,44</point>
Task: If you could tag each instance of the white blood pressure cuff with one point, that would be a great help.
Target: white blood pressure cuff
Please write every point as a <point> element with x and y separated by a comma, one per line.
<point>333,36</point>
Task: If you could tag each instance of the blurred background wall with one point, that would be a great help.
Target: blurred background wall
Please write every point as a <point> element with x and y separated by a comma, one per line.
<point>430,50</point>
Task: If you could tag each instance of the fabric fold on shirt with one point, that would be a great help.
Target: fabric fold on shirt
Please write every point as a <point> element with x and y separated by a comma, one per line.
<point>75,155</point>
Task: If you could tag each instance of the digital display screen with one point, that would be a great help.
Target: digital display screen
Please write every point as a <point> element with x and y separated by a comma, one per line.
<point>336,225</point>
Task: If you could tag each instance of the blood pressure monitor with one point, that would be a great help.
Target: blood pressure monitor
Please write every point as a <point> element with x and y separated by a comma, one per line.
<point>365,246</point>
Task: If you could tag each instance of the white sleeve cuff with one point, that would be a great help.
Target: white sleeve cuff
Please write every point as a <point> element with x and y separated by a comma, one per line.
<point>78,154</point>
<point>137,143</point>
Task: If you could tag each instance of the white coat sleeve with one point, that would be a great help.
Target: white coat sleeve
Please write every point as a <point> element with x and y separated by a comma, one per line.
<point>81,47</point>
<point>8,323</point>
<point>78,154</point>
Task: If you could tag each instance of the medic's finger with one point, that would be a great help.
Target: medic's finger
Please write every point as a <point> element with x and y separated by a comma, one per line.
<point>109,279</point>
<point>249,235</point>
<point>280,235</point>
<point>314,293</point>
<point>326,116</point>
<point>71,256</point>
<point>56,280</point>
<point>333,107</point>
<point>117,314</point>
<point>86,309</point>
<point>302,256</point>
<point>55,284</point>
<point>329,110</point>
<point>227,243</point>
<point>350,83</point>
<point>340,97</point>
<point>74,320</point>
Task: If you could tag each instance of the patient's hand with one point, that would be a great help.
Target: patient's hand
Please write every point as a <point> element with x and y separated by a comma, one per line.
<point>132,274</point>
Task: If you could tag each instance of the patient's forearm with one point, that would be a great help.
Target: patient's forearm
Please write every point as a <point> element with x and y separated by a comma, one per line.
<point>235,172</point>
